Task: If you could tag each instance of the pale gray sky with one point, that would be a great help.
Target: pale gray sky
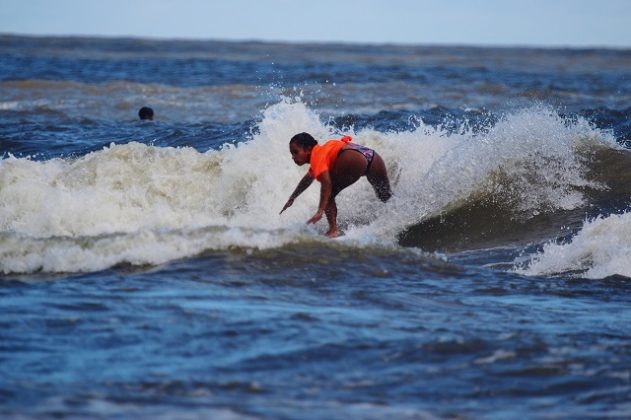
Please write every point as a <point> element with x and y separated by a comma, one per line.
<point>490,22</point>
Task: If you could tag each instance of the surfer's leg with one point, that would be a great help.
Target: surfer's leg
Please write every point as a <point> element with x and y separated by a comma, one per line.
<point>378,177</point>
<point>349,167</point>
<point>331,217</point>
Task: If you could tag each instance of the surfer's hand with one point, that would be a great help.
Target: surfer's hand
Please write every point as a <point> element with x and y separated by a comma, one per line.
<point>287,205</point>
<point>316,217</point>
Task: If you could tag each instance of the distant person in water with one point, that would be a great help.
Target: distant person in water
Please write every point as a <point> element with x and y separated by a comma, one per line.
<point>145,113</point>
<point>336,164</point>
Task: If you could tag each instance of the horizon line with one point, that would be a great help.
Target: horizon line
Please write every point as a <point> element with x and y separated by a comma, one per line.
<point>321,42</point>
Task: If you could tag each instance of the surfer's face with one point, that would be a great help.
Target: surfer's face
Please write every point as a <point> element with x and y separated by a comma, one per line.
<point>299,154</point>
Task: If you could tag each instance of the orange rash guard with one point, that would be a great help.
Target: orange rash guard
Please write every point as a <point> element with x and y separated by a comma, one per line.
<point>323,157</point>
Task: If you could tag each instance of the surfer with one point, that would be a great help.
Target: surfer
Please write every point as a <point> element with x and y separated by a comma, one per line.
<point>336,164</point>
<point>145,113</point>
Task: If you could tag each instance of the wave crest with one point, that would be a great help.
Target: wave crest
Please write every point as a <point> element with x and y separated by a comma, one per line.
<point>600,249</point>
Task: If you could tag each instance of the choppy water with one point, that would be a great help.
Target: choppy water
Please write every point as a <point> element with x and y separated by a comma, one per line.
<point>146,271</point>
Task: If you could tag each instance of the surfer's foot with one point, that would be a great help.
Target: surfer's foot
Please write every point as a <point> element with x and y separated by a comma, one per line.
<point>333,233</point>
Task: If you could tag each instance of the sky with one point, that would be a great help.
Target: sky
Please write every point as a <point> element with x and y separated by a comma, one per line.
<point>574,23</point>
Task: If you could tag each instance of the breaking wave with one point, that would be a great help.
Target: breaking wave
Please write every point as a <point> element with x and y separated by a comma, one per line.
<point>141,204</point>
<point>600,249</point>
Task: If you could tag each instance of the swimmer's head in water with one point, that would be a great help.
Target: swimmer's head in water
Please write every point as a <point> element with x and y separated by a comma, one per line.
<point>300,147</point>
<point>145,113</point>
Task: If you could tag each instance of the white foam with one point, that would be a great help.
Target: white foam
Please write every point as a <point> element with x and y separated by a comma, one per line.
<point>9,105</point>
<point>82,254</point>
<point>114,205</point>
<point>600,249</point>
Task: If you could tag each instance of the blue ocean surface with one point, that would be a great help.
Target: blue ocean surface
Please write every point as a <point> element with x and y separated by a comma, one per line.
<point>145,271</point>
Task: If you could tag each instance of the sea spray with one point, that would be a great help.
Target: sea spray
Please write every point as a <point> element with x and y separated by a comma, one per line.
<point>530,162</point>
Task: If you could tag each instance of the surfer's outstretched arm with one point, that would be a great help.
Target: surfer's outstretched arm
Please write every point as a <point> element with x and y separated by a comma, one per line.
<point>302,185</point>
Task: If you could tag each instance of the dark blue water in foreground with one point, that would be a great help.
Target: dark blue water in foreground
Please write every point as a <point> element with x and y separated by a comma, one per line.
<point>145,272</point>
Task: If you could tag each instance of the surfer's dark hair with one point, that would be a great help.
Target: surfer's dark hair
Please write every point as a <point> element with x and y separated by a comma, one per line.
<point>304,140</point>
<point>145,113</point>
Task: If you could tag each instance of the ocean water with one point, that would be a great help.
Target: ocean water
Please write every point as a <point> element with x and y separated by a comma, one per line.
<point>145,271</point>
